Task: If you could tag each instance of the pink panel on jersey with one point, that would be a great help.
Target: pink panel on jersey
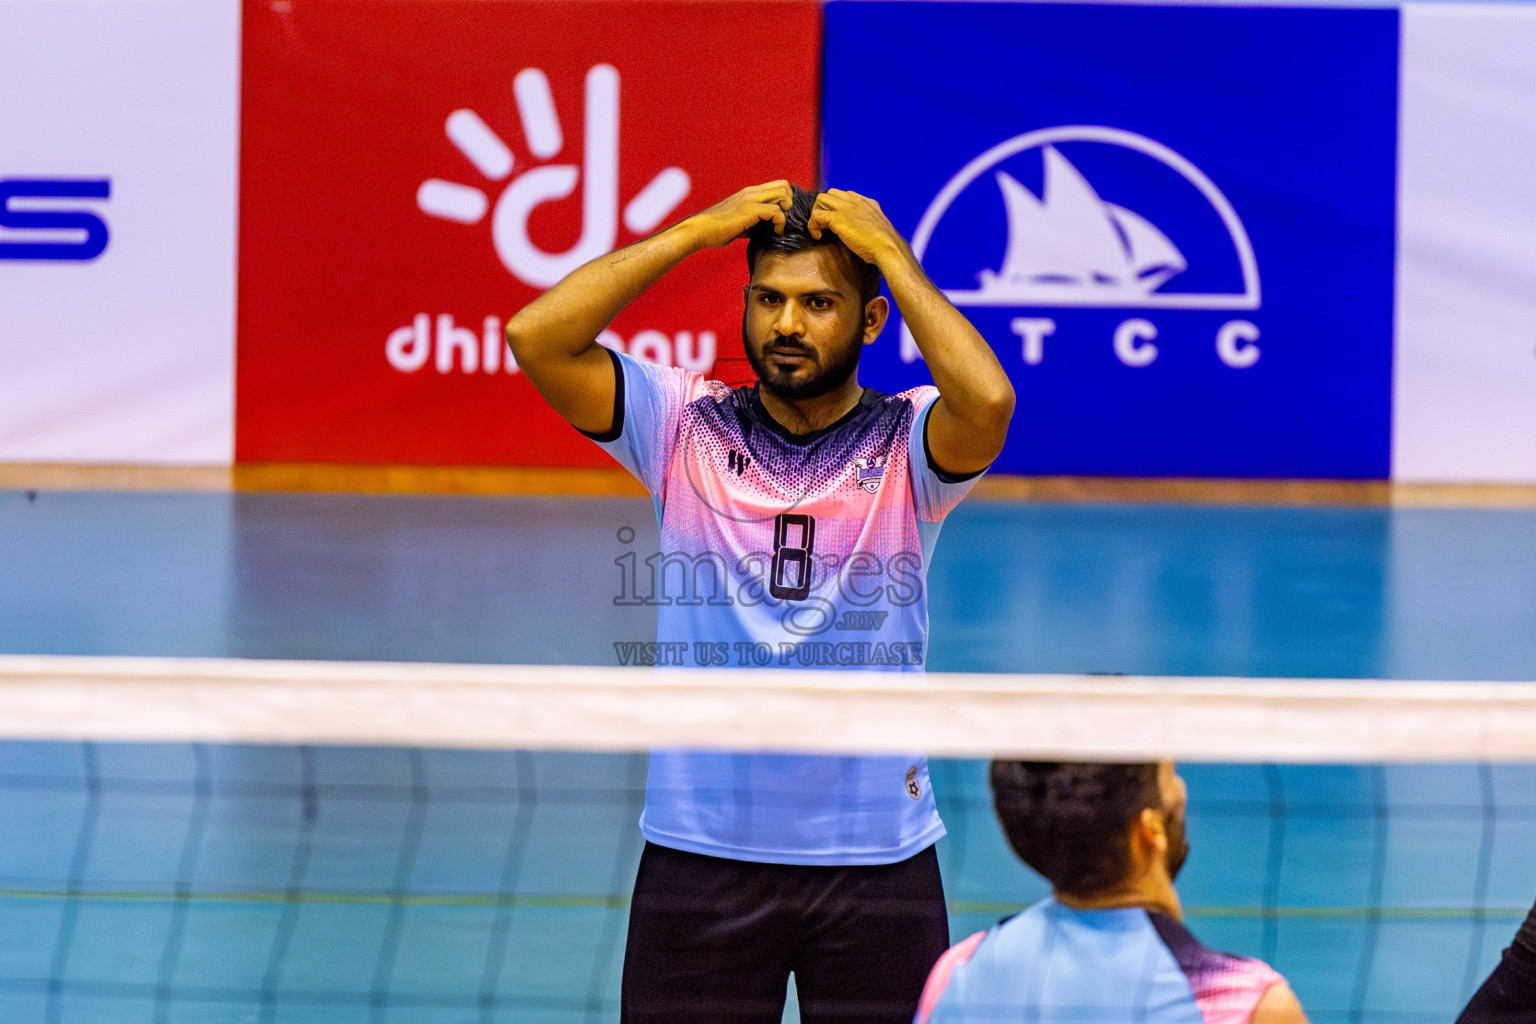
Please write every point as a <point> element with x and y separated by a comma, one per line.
<point>1228,988</point>
<point>938,978</point>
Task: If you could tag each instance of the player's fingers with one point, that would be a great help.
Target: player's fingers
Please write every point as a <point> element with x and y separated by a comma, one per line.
<point>759,212</point>
<point>754,214</point>
<point>771,211</point>
<point>863,204</point>
<point>822,214</point>
<point>819,220</point>
<point>851,199</point>
<point>777,192</point>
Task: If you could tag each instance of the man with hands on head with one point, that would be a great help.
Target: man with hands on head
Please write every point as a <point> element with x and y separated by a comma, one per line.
<point>789,504</point>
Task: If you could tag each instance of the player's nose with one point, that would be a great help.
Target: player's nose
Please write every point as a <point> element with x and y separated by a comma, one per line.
<point>789,323</point>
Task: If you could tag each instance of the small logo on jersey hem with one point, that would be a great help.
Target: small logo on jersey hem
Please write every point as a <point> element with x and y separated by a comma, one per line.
<point>870,471</point>
<point>913,789</point>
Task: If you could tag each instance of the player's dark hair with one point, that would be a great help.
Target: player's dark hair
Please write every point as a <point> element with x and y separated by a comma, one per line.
<point>797,238</point>
<point>1070,821</point>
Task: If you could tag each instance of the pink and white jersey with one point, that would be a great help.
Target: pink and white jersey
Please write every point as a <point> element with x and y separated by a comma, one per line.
<point>785,551</point>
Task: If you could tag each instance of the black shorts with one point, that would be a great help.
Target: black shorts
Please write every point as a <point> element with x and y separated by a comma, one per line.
<point>715,940</point>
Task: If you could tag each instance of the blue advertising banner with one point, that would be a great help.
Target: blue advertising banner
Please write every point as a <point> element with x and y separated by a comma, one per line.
<point>1175,225</point>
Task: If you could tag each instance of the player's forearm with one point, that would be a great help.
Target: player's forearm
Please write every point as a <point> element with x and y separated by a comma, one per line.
<point>964,368</point>
<point>566,320</point>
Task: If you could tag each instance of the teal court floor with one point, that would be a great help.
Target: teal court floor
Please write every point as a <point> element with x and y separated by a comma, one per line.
<point>223,883</point>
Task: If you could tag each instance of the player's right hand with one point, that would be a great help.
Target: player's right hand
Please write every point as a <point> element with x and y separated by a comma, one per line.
<point>733,217</point>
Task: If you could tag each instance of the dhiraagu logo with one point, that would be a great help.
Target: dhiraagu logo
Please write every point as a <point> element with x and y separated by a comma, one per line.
<point>1094,217</point>
<point>466,349</point>
<point>547,182</point>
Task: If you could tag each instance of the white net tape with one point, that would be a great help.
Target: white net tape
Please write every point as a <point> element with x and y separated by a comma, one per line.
<point>942,714</point>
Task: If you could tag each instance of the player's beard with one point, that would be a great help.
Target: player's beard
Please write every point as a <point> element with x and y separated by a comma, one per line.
<point>823,377</point>
<point>1178,845</point>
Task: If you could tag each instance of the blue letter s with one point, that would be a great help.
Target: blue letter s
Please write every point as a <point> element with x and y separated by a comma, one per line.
<point>88,248</point>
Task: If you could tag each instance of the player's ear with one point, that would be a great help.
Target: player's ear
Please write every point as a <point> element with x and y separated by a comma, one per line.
<point>1149,833</point>
<point>876,311</point>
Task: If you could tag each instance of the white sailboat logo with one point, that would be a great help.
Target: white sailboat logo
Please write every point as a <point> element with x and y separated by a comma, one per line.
<point>1071,248</point>
<point>1069,240</point>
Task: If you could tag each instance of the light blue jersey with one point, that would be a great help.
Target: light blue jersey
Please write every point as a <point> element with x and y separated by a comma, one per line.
<point>1056,965</point>
<point>785,551</point>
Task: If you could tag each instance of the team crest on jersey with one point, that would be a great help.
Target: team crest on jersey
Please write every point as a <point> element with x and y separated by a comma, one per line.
<point>870,470</point>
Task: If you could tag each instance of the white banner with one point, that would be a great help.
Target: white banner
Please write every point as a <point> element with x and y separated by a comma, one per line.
<point>1465,373</point>
<point>117,230</point>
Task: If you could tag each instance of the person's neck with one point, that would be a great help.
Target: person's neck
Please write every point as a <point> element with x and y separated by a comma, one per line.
<point>807,415</point>
<point>1151,894</point>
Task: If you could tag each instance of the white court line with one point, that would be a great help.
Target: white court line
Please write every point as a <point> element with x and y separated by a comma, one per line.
<point>576,708</point>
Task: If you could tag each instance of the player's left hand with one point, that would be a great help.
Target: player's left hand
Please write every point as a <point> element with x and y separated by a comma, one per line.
<point>859,223</point>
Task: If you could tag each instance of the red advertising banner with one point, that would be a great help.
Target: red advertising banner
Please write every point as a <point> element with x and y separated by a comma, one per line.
<point>412,172</point>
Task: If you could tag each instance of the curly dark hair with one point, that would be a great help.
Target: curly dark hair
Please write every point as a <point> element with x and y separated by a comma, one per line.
<point>1070,820</point>
<point>796,238</point>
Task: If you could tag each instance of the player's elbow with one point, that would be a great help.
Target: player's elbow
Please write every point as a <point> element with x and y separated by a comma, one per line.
<point>994,407</point>
<point>520,341</point>
<point>512,334</point>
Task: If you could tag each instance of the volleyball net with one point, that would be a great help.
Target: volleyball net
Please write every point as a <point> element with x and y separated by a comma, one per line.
<point>209,840</point>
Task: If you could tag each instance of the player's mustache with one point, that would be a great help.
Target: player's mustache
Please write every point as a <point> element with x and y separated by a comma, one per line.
<point>780,343</point>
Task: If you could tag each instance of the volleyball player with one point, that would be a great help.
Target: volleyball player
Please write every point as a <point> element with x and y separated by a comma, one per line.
<point>797,520</point>
<point>1109,943</point>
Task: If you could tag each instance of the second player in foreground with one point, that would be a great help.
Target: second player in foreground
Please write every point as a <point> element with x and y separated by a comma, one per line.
<point>797,521</point>
<point>1110,943</point>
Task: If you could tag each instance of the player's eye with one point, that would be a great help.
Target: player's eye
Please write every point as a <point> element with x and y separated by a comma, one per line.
<point>820,302</point>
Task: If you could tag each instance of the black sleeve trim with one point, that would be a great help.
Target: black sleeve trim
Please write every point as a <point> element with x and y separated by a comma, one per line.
<point>612,434</point>
<point>948,478</point>
<point>1187,950</point>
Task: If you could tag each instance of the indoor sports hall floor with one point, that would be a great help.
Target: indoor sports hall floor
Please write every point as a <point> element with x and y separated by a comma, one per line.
<point>238,883</point>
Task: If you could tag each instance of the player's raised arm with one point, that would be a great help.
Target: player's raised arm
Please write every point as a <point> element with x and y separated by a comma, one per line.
<point>969,423</point>
<point>554,337</point>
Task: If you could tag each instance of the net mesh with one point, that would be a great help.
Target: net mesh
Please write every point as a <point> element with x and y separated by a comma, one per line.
<point>228,882</point>
<point>1376,850</point>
